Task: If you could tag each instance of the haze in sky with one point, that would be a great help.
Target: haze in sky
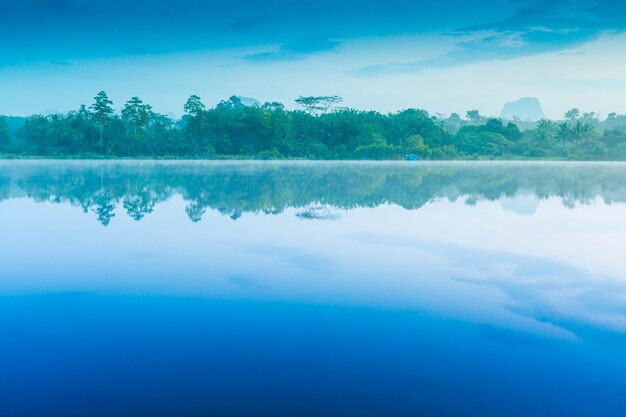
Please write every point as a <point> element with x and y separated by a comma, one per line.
<point>384,55</point>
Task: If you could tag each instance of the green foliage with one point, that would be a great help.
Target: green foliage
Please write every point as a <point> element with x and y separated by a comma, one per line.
<point>494,138</point>
<point>233,129</point>
<point>4,133</point>
<point>136,113</point>
<point>474,116</point>
<point>572,114</point>
<point>194,106</point>
<point>378,151</point>
<point>101,108</point>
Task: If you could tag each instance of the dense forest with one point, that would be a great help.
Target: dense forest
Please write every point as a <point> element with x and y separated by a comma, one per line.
<point>320,129</point>
<point>316,190</point>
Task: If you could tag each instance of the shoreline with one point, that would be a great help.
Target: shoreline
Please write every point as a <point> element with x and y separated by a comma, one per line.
<point>430,162</point>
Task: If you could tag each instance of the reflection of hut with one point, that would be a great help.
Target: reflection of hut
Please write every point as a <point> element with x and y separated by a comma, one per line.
<point>318,213</point>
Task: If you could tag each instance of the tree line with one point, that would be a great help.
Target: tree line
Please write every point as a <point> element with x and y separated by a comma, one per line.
<point>319,130</point>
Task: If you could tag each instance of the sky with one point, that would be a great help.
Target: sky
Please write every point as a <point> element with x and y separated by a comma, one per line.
<point>383,55</point>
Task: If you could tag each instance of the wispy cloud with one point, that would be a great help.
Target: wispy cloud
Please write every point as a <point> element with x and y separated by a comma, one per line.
<point>296,50</point>
<point>490,47</point>
<point>534,27</point>
<point>529,282</point>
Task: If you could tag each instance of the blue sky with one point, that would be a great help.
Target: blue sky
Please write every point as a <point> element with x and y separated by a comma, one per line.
<point>385,55</point>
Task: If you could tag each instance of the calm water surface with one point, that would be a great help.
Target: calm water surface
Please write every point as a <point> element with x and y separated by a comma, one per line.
<point>312,289</point>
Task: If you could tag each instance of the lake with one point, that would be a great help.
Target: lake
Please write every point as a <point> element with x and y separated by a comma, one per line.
<point>312,289</point>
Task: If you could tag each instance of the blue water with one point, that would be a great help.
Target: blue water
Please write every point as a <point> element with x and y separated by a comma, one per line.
<point>308,289</point>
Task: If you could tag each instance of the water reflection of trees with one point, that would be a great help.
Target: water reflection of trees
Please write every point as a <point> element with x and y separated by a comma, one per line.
<point>236,188</point>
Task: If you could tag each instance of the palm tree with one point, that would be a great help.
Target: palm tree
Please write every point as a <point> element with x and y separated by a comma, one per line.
<point>545,130</point>
<point>582,131</point>
<point>564,133</point>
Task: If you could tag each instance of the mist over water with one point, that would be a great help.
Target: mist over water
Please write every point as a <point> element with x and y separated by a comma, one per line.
<point>302,288</point>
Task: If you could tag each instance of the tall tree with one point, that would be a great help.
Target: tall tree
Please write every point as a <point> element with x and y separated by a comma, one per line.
<point>564,133</point>
<point>474,116</point>
<point>572,114</point>
<point>4,133</point>
<point>137,114</point>
<point>273,106</point>
<point>582,132</point>
<point>101,108</point>
<point>102,114</point>
<point>544,131</point>
<point>194,106</point>
<point>232,103</point>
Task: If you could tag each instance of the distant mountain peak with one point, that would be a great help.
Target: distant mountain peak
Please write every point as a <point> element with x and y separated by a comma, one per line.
<point>527,108</point>
<point>249,101</point>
